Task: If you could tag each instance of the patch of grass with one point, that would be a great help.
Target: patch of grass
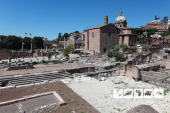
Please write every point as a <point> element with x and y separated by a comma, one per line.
<point>166,91</point>
<point>38,88</point>
<point>77,104</point>
<point>76,101</point>
<point>59,90</point>
<point>118,109</point>
<point>61,94</point>
<point>125,83</point>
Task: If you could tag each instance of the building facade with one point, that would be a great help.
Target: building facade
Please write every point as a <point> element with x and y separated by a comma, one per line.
<point>158,24</point>
<point>169,21</point>
<point>103,38</point>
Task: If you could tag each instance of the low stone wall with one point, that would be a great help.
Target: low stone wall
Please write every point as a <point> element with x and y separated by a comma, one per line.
<point>39,109</point>
<point>81,70</point>
<point>20,67</point>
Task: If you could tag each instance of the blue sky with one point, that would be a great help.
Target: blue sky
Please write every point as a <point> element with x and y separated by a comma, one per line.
<point>47,18</point>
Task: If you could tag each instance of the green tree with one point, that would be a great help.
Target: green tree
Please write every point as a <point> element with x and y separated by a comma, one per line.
<point>151,31</point>
<point>27,42</point>
<point>139,30</point>
<point>76,32</point>
<point>12,42</point>
<point>160,38</point>
<point>66,35</point>
<point>37,42</point>
<point>59,35</point>
<point>69,48</point>
<point>59,38</point>
<point>49,54</point>
<point>165,33</point>
<point>2,45</point>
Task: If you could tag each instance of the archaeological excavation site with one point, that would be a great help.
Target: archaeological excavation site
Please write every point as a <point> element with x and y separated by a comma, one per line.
<point>88,83</point>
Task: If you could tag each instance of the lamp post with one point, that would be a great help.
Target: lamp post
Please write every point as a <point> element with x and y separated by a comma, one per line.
<point>31,42</point>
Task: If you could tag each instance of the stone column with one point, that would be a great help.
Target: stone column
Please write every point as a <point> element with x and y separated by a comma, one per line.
<point>41,52</point>
<point>22,46</point>
<point>64,43</point>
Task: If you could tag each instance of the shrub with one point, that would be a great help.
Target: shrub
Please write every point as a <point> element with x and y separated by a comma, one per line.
<point>122,59</point>
<point>80,54</point>
<point>117,47</point>
<point>59,61</point>
<point>46,63</point>
<point>131,44</point>
<point>123,46</point>
<point>133,50</point>
<point>166,91</point>
<point>110,54</point>
<point>49,54</point>
<point>160,38</point>
<point>118,56</point>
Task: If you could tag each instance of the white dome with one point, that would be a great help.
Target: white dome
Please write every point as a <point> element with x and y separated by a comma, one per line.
<point>120,19</point>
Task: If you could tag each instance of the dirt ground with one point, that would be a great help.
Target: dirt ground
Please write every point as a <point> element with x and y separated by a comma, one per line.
<point>73,100</point>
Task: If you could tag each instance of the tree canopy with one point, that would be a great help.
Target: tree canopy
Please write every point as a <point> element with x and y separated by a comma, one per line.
<point>76,32</point>
<point>27,42</point>
<point>37,42</point>
<point>150,31</point>
<point>69,48</point>
<point>12,42</point>
<point>139,30</point>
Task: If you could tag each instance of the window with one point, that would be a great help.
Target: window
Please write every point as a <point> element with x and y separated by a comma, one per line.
<point>105,49</point>
<point>92,34</point>
<point>109,34</point>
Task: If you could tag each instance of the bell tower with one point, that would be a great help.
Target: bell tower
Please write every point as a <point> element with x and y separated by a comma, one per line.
<point>105,20</point>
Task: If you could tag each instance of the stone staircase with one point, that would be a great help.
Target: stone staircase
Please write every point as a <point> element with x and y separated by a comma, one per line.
<point>18,80</point>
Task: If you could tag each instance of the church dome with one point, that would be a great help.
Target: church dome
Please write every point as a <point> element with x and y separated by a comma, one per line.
<point>120,18</point>
<point>120,21</point>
